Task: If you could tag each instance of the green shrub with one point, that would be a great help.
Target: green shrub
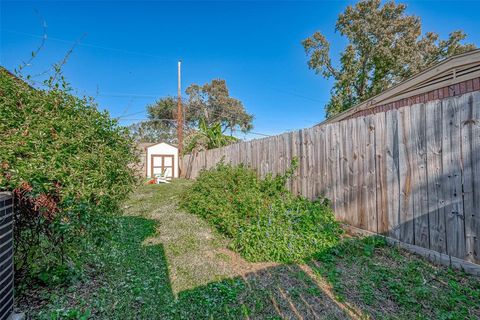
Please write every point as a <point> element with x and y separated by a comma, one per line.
<point>69,167</point>
<point>263,219</point>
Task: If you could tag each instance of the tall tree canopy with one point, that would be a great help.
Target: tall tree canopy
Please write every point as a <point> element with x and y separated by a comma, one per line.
<point>385,46</point>
<point>153,131</point>
<point>161,123</point>
<point>210,103</point>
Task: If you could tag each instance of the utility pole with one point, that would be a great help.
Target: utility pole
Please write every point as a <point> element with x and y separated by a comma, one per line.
<point>179,111</point>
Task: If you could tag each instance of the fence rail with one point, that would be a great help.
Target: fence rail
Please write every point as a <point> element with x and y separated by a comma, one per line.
<point>412,173</point>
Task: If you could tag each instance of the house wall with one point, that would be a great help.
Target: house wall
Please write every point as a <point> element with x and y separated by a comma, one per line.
<point>161,149</point>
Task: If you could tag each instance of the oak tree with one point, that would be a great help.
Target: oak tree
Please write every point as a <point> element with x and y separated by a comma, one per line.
<point>385,46</point>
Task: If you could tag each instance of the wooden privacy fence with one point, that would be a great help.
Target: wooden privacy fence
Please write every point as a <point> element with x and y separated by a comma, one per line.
<point>412,174</point>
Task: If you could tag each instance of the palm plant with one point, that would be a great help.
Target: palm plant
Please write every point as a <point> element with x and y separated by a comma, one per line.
<point>207,137</point>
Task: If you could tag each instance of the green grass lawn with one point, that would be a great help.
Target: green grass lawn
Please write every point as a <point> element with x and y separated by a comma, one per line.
<point>164,263</point>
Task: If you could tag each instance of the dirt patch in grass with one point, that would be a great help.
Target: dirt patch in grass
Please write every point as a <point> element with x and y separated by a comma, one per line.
<point>190,248</point>
<point>238,264</point>
<point>196,253</point>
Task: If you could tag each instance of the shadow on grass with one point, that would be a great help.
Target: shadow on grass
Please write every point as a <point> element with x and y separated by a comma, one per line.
<point>357,277</point>
<point>285,292</point>
<point>361,275</point>
<point>387,282</point>
<point>139,287</point>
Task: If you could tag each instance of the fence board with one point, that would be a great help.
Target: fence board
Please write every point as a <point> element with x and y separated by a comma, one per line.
<point>333,164</point>
<point>343,192</point>
<point>362,188</point>
<point>381,174</point>
<point>285,162</point>
<point>296,154</point>
<point>353,179</point>
<point>288,155</point>
<point>337,172</point>
<point>393,173</point>
<point>434,131</point>
<point>328,164</point>
<point>412,174</point>
<point>316,162</point>
<point>452,183</point>
<point>370,178</point>
<point>303,162</point>
<point>419,175</point>
<point>323,156</point>
<point>467,128</point>
<point>309,182</point>
<point>475,220</point>
<point>405,171</point>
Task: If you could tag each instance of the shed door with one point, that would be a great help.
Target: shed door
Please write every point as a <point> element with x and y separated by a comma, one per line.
<point>162,164</point>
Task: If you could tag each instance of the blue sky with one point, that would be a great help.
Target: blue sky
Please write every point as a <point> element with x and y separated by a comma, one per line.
<point>128,54</point>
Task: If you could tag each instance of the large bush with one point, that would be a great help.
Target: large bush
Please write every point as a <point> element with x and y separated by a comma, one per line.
<point>69,167</point>
<point>263,219</point>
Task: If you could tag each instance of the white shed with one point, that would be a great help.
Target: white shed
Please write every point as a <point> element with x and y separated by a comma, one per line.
<point>161,158</point>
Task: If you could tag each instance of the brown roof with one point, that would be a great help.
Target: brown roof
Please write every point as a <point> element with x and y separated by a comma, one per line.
<point>453,70</point>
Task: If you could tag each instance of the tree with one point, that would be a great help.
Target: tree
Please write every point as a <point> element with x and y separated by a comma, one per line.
<point>164,108</point>
<point>161,124</point>
<point>153,131</point>
<point>212,102</point>
<point>385,46</point>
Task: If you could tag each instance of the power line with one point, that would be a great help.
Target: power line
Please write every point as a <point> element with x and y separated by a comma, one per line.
<point>173,120</point>
<point>295,94</point>
<point>129,105</point>
<point>130,114</point>
<point>133,95</point>
<point>44,37</point>
<point>211,112</point>
<point>258,134</point>
<point>128,95</point>
<point>89,45</point>
<point>150,120</point>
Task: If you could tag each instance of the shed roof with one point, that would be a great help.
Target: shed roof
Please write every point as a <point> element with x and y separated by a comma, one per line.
<point>456,69</point>
<point>155,144</point>
<point>143,146</point>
